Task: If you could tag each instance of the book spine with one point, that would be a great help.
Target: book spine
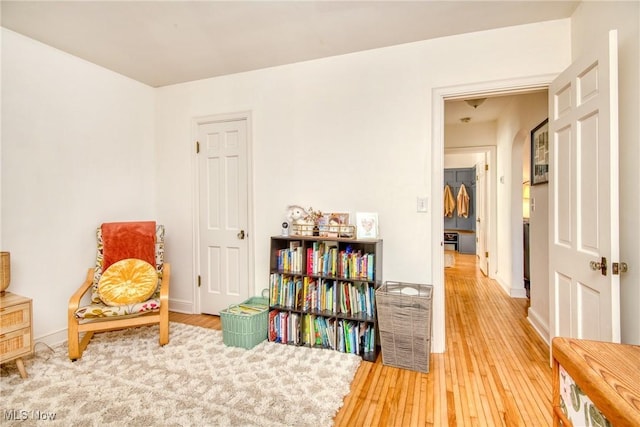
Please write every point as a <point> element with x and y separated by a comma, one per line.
<point>309,261</point>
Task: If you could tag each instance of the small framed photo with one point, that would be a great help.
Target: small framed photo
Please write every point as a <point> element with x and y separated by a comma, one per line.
<point>333,224</point>
<point>540,153</point>
<point>366,225</point>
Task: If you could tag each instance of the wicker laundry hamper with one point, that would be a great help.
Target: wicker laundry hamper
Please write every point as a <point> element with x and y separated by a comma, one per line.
<point>404,322</point>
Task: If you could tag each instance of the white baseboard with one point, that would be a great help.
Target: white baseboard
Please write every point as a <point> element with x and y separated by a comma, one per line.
<point>51,339</point>
<point>512,292</point>
<point>181,306</point>
<point>541,327</point>
<point>518,293</point>
<point>502,284</point>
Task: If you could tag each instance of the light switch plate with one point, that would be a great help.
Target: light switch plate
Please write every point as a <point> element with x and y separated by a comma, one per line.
<point>422,204</point>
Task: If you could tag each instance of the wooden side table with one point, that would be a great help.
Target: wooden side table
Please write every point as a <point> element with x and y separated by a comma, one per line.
<point>603,381</point>
<point>16,329</point>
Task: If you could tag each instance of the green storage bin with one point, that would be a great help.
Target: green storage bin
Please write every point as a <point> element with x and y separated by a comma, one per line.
<point>245,325</point>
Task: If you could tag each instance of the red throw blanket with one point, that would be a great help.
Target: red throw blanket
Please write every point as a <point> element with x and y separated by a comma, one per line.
<point>122,240</point>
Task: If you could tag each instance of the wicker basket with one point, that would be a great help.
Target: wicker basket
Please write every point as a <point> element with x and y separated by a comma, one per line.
<point>5,270</point>
<point>245,325</point>
<point>404,322</point>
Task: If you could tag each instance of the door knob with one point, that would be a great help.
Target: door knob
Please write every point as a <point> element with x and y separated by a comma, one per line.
<point>602,266</point>
<point>241,235</point>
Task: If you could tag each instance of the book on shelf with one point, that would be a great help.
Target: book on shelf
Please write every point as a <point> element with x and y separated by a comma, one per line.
<point>356,337</point>
<point>309,329</point>
<point>331,327</point>
<point>294,329</point>
<point>290,259</point>
<point>273,331</point>
<point>324,259</point>
<point>321,295</point>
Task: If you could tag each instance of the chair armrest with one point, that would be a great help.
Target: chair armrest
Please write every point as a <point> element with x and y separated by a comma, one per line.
<point>74,301</point>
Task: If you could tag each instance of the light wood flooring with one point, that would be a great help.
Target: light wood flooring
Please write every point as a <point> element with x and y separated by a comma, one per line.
<point>495,370</point>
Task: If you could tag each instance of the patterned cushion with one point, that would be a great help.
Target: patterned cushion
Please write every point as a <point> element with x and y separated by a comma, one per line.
<point>95,297</point>
<point>127,281</point>
<point>95,311</point>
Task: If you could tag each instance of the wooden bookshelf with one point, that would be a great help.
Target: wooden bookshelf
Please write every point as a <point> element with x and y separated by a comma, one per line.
<point>322,293</point>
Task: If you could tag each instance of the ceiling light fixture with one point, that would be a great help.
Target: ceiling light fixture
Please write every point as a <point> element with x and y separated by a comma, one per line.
<point>475,103</point>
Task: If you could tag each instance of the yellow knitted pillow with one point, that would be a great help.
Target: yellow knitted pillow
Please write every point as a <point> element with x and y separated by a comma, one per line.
<point>127,282</point>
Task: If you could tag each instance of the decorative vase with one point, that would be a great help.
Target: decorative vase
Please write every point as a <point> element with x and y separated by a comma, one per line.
<point>5,270</point>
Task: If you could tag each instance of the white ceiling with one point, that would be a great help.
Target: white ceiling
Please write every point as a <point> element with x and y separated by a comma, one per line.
<point>166,42</point>
<point>490,109</point>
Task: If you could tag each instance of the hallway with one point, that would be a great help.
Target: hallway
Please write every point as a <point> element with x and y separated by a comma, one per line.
<point>495,370</point>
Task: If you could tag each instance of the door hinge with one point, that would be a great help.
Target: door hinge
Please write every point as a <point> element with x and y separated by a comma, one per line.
<point>486,254</point>
<point>617,268</point>
<point>199,281</point>
<point>197,147</point>
<point>486,167</point>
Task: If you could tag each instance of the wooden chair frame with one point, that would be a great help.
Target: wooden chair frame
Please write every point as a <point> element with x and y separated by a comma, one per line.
<point>90,326</point>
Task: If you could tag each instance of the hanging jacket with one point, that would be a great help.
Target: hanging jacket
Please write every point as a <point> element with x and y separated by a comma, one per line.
<point>463,202</point>
<point>449,202</point>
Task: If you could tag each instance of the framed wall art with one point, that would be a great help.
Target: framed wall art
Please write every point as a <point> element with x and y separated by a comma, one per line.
<point>540,153</point>
<point>366,225</point>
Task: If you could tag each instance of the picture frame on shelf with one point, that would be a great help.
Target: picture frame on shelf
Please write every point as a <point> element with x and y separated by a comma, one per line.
<point>366,225</point>
<point>540,153</point>
<point>334,224</point>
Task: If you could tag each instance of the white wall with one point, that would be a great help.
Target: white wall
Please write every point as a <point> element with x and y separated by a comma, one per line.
<point>513,138</point>
<point>349,133</point>
<point>519,117</point>
<point>467,160</point>
<point>591,21</point>
<point>77,150</point>
<point>461,135</point>
<point>538,313</point>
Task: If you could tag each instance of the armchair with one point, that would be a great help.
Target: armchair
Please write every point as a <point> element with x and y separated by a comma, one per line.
<point>124,252</point>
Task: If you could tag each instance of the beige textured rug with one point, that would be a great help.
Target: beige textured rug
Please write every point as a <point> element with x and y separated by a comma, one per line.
<point>125,378</point>
<point>449,259</point>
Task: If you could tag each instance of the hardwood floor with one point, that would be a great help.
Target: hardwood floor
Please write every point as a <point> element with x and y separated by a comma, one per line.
<point>495,370</point>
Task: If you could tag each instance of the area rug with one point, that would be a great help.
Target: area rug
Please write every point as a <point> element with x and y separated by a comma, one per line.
<point>449,259</point>
<point>126,378</point>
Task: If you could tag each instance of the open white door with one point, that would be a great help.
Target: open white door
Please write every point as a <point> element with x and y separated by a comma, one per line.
<point>481,217</point>
<point>583,192</point>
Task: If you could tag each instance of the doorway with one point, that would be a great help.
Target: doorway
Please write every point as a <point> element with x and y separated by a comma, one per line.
<point>440,96</point>
<point>223,244</point>
<point>481,160</point>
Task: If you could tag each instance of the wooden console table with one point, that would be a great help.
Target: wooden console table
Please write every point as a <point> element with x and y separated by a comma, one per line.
<point>607,373</point>
<point>16,336</point>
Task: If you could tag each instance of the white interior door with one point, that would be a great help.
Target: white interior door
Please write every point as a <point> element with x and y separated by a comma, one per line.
<point>583,193</point>
<point>481,216</point>
<point>223,214</point>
